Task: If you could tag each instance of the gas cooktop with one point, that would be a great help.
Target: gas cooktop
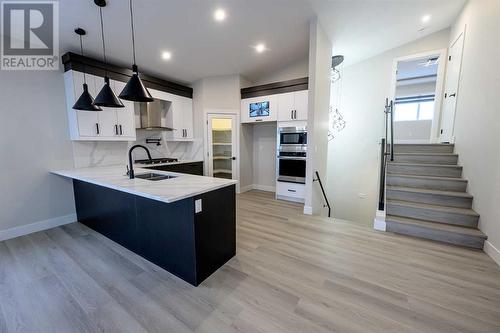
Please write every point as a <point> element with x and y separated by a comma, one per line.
<point>157,161</point>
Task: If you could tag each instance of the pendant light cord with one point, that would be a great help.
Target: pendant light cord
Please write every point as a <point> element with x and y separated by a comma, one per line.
<point>133,32</point>
<point>81,50</point>
<point>103,45</point>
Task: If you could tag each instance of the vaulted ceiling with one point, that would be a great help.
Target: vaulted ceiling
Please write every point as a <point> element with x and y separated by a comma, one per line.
<point>202,47</point>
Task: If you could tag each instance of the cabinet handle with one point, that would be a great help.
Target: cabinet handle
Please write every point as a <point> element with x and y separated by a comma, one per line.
<point>116,129</point>
<point>258,119</point>
<point>291,114</point>
<point>97,128</point>
<point>291,190</point>
<point>295,114</point>
<point>121,130</point>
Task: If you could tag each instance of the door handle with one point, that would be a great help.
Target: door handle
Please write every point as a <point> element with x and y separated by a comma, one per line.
<point>452,95</point>
<point>233,158</point>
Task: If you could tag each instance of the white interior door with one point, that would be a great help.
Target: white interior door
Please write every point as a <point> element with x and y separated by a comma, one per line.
<point>451,89</point>
<point>222,141</point>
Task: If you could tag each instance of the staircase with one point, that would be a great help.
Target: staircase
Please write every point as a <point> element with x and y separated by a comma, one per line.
<point>427,198</point>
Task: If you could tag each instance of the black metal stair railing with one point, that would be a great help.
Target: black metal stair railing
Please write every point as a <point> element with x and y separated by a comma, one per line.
<point>318,179</point>
<point>389,121</point>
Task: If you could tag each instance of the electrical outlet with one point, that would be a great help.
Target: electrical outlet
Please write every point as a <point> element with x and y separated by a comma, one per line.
<point>197,206</point>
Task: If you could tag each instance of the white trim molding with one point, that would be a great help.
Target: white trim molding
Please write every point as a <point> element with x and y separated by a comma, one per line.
<point>379,221</point>
<point>266,188</point>
<point>492,251</point>
<point>36,226</point>
<point>308,210</point>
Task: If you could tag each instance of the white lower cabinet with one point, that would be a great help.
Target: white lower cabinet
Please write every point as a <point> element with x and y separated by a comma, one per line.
<point>293,191</point>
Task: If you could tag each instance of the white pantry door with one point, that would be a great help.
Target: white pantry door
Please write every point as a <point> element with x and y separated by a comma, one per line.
<point>451,89</point>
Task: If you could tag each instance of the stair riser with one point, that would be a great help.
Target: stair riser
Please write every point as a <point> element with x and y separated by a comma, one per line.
<point>436,235</point>
<point>443,149</point>
<point>432,199</point>
<point>430,184</point>
<point>420,170</point>
<point>427,159</point>
<point>426,214</point>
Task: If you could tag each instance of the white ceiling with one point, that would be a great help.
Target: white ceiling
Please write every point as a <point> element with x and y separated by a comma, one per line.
<point>416,69</point>
<point>360,29</point>
<point>201,47</point>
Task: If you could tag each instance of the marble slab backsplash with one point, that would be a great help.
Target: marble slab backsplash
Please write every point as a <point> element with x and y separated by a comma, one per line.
<point>101,153</point>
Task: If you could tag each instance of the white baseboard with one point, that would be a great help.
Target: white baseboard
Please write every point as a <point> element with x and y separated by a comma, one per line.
<point>36,226</point>
<point>246,188</point>
<point>379,221</point>
<point>308,210</point>
<point>266,188</point>
<point>492,251</point>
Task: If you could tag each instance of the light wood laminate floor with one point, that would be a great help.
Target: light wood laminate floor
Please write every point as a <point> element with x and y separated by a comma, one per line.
<point>292,273</point>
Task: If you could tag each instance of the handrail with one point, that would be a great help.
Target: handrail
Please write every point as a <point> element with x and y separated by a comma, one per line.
<point>318,179</point>
<point>389,110</point>
<point>383,162</point>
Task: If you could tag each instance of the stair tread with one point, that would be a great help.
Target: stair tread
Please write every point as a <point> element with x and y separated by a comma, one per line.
<point>436,226</point>
<point>424,144</point>
<point>426,154</point>
<point>426,177</point>
<point>425,164</point>
<point>428,191</point>
<point>447,209</point>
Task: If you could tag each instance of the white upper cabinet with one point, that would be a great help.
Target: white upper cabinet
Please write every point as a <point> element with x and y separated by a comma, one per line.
<point>125,117</point>
<point>259,109</point>
<point>179,115</point>
<point>301,104</point>
<point>111,124</point>
<point>293,105</point>
<point>281,107</point>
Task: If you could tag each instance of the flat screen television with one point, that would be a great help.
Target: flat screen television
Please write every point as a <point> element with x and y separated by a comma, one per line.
<point>260,109</point>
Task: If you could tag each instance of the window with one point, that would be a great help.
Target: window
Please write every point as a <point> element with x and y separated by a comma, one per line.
<point>414,108</point>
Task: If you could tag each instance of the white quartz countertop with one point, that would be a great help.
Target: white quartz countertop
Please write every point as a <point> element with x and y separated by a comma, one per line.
<point>168,190</point>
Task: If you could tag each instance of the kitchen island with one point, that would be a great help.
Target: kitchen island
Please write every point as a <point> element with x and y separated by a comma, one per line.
<point>185,224</point>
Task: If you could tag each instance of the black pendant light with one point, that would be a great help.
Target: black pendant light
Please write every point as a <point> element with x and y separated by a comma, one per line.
<point>85,102</point>
<point>134,89</point>
<point>106,96</point>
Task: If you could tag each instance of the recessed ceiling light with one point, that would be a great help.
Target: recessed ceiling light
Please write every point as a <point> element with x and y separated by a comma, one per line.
<point>260,48</point>
<point>426,18</point>
<point>166,55</point>
<point>220,15</point>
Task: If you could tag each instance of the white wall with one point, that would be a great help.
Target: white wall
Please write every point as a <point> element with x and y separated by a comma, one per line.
<point>34,140</point>
<point>353,156</point>
<point>264,156</point>
<point>295,70</point>
<point>320,59</point>
<point>405,90</point>
<point>477,124</point>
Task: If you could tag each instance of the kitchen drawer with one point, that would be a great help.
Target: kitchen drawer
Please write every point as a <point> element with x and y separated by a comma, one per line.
<point>293,190</point>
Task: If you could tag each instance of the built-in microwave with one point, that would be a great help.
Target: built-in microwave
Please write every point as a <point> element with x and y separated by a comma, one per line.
<point>296,136</point>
